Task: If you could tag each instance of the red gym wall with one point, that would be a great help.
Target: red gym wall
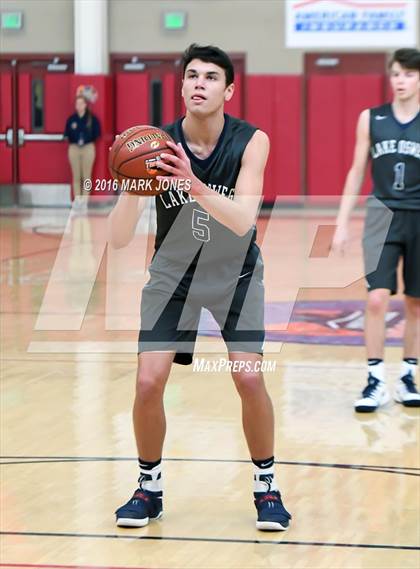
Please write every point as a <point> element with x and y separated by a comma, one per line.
<point>5,123</point>
<point>274,104</point>
<point>334,97</point>
<point>309,118</point>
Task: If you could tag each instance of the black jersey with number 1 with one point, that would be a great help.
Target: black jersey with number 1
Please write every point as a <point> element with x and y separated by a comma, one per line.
<point>395,156</point>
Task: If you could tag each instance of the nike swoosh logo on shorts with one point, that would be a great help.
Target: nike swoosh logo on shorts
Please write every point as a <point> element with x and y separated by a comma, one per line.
<point>380,117</point>
<point>245,274</point>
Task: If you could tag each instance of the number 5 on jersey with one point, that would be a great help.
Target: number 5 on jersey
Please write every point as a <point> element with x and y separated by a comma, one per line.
<point>200,230</point>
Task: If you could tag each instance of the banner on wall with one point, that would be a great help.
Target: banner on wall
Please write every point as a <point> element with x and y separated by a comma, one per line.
<point>351,23</point>
<point>88,92</point>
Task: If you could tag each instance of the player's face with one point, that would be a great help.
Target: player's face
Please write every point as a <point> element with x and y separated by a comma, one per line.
<point>405,83</point>
<point>204,87</point>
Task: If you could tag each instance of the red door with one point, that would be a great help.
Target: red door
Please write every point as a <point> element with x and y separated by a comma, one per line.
<point>6,123</point>
<point>37,101</point>
<point>236,106</point>
<point>147,90</point>
<point>338,88</point>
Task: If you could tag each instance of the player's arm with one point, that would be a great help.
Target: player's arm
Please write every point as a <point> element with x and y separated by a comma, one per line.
<point>354,181</point>
<point>123,219</point>
<point>240,213</point>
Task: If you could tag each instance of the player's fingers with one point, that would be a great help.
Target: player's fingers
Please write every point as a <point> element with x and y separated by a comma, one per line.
<point>182,152</point>
<point>178,148</point>
<point>174,147</point>
<point>116,137</point>
<point>167,167</point>
<point>170,158</point>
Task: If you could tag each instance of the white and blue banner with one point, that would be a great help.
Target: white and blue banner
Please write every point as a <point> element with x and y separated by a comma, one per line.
<point>351,23</point>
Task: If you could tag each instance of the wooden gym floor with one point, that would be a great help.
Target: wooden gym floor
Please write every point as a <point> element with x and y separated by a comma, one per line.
<point>68,453</point>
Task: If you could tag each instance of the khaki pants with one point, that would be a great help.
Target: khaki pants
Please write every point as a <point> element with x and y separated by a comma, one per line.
<point>81,161</point>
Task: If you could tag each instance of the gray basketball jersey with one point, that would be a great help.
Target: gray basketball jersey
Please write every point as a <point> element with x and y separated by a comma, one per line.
<point>395,159</point>
<point>184,229</point>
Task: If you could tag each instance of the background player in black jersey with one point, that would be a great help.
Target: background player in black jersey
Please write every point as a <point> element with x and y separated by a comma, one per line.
<point>200,237</point>
<point>390,135</point>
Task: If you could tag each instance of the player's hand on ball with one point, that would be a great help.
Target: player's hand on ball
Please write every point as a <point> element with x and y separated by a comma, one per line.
<point>177,164</point>
<point>117,136</point>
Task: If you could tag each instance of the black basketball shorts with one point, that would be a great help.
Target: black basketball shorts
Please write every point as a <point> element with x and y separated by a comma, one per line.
<point>389,237</point>
<point>171,305</point>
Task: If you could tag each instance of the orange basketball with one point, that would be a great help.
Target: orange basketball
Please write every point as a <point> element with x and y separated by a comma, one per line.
<point>133,159</point>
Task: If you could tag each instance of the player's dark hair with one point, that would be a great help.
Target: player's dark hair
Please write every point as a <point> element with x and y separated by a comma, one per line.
<point>407,57</point>
<point>209,54</point>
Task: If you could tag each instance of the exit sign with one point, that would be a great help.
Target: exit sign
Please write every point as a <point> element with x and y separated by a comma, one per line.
<point>174,20</point>
<point>11,20</point>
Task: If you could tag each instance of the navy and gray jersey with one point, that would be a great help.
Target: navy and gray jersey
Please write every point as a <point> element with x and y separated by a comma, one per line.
<point>395,159</point>
<point>185,230</point>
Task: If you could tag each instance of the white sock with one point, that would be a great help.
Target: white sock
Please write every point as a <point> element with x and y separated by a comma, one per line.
<point>376,367</point>
<point>264,479</point>
<point>409,367</point>
<point>151,480</point>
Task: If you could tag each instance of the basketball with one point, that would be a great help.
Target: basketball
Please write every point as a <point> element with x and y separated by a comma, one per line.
<point>133,159</point>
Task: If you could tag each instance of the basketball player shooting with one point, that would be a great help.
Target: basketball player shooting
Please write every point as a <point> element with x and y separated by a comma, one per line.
<point>390,135</point>
<point>205,255</point>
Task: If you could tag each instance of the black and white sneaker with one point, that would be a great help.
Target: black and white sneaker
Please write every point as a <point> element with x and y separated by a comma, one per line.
<point>374,395</point>
<point>406,392</point>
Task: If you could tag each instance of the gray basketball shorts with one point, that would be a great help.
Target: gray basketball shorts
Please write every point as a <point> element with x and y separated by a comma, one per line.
<point>172,301</point>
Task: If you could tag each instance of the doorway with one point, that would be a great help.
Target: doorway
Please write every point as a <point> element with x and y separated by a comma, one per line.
<point>35,102</point>
<point>338,87</point>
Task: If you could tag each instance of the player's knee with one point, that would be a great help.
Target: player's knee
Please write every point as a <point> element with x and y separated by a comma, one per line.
<point>377,302</point>
<point>149,387</point>
<point>413,307</point>
<point>248,383</point>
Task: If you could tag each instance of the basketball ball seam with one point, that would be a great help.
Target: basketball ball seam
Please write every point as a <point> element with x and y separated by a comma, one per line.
<point>138,129</point>
<point>122,155</point>
<point>152,152</point>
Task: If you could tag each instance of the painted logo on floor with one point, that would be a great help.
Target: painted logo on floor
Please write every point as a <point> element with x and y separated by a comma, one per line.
<point>339,323</point>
